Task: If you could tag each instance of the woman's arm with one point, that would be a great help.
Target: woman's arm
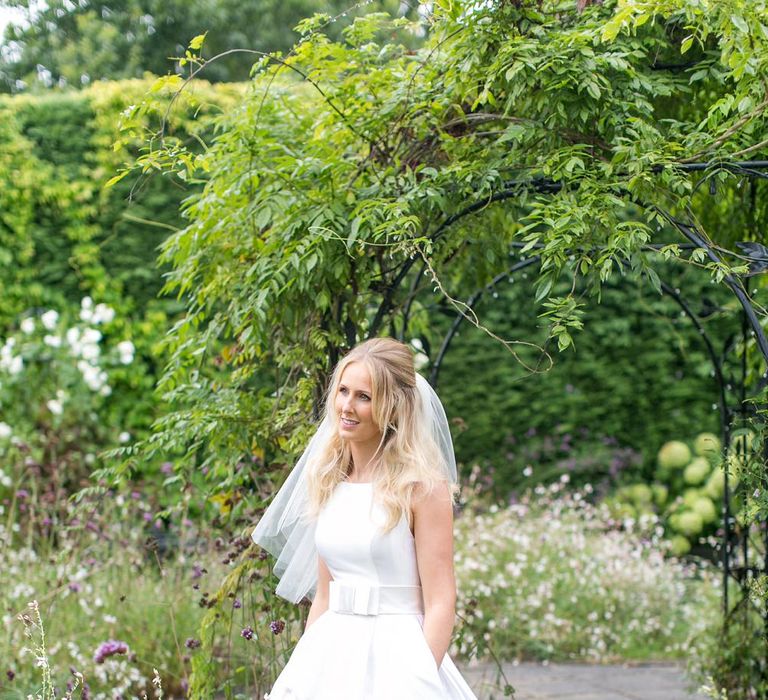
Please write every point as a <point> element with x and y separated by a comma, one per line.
<point>320,601</point>
<point>433,532</point>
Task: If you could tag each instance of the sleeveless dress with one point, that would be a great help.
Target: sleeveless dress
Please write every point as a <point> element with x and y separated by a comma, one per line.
<point>369,644</point>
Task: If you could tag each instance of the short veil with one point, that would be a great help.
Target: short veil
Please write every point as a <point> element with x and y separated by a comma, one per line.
<point>287,530</point>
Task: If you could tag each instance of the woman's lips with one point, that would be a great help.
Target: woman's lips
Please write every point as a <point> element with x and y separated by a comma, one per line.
<point>348,423</point>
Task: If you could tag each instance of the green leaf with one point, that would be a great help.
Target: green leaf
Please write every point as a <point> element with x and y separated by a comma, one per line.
<point>354,230</point>
<point>593,89</point>
<point>197,41</point>
<point>543,290</point>
<point>114,180</point>
<point>687,43</point>
<point>740,23</point>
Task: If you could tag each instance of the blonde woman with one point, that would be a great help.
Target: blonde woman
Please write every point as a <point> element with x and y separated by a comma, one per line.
<point>364,525</point>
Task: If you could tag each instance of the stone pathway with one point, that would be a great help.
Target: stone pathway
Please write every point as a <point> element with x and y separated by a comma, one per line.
<point>582,682</point>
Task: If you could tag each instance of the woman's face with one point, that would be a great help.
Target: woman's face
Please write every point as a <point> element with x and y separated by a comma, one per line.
<point>353,405</point>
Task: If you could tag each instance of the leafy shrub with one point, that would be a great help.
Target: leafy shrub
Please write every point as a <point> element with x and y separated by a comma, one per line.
<point>124,592</point>
<point>688,488</point>
<point>71,385</point>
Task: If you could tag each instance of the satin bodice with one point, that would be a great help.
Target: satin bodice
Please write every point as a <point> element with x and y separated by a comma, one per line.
<point>350,540</point>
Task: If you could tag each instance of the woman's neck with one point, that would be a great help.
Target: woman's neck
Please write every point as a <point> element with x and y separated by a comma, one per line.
<point>363,461</point>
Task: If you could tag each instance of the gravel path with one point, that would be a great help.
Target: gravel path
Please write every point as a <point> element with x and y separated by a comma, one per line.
<point>582,682</point>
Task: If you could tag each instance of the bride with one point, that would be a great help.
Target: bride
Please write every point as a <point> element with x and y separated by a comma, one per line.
<point>364,526</point>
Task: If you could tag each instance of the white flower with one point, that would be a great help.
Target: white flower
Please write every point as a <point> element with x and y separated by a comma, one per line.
<point>103,313</point>
<point>16,364</point>
<point>91,335</point>
<point>54,406</point>
<point>94,377</point>
<point>126,350</point>
<point>86,303</point>
<point>5,431</point>
<point>73,336</point>
<point>28,325</point>
<point>124,436</point>
<point>89,351</point>
<point>106,390</point>
<point>53,340</point>
<point>527,471</point>
<point>420,360</point>
<point>49,319</point>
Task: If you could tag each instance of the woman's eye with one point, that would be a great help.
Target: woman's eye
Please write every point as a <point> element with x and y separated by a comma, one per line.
<point>364,397</point>
<point>343,390</point>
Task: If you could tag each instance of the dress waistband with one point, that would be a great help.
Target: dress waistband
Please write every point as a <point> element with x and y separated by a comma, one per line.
<point>365,599</point>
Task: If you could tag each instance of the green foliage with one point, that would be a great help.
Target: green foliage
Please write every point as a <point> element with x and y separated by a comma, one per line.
<point>326,198</point>
<point>640,375</point>
<point>362,187</point>
<point>63,236</point>
<point>70,386</point>
<point>149,583</point>
<point>687,492</point>
<point>64,44</point>
<point>732,662</point>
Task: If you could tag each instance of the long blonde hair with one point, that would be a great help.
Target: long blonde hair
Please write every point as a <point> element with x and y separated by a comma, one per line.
<point>409,458</point>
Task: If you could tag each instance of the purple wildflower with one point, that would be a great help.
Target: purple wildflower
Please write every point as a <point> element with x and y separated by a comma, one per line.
<point>277,626</point>
<point>11,675</point>
<point>166,467</point>
<point>74,586</point>
<point>192,643</point>
<point>135,495</point>
<point>247,633</point>
<point>22,493</point>
<point>236,604</point>
<point>147,516</point>
<point>109,648</point>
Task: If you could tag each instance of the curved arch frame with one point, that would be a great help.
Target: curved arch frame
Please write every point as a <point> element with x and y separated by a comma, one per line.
<point>750,322</point>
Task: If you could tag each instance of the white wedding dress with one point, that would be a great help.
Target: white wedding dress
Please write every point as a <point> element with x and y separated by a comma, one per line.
<point>369,644</point>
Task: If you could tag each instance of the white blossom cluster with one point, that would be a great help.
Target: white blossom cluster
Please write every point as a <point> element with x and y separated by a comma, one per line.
<point>13,364</point>
<point>101,313</point>
<point>551,577</point>
<point>83,344</point>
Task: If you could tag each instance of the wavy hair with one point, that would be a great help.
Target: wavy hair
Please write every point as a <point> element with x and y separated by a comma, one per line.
<point>409,457</point>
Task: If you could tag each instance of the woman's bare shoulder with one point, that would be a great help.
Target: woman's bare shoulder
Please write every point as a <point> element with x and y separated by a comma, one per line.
<point>431,494</point>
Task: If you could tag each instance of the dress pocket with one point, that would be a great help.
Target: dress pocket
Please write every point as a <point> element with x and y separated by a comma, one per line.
<point>428,663</point>
<point>315,626</point>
